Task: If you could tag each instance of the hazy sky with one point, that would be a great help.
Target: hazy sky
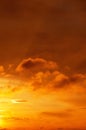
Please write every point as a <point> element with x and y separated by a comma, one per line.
<point>43,64</point>
<point>52,29</point>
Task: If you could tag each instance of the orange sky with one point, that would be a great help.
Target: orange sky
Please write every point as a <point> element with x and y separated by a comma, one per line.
<point>36,92</point>
<point>43,64</point>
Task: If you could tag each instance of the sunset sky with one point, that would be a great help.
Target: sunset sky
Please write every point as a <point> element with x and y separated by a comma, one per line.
<point>43,64</point>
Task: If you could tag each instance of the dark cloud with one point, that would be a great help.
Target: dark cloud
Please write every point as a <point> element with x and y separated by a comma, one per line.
<point>36,64</point>
<point>52,29</point>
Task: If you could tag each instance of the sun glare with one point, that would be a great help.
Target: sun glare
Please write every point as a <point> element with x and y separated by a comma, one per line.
<point>14,101</point>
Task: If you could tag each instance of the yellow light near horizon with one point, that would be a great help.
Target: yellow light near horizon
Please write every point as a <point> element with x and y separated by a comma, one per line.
<point>4,116</point>
<point>2,123</point>
<point>16,106</point>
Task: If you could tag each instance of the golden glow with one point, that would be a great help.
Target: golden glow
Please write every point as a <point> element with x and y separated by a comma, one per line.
<point>14,101</point>
<point>1,121</point>
<point>28,106</point>
<point>3,116</point>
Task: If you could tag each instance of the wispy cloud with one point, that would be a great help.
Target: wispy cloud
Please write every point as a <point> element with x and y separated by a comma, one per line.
<point>62,114</point>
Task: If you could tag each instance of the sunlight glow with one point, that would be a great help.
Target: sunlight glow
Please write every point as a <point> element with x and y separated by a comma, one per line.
<point>1,121</point>
<point>14,101</point>
<point>18,103</point>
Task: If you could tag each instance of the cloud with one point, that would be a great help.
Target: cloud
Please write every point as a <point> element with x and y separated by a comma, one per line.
<point>16,118</point>
<point>52,29</point>
<point>19,101</point>
<point>10,85</point>
<point>44,74</point>
<point>62,114</point>
<point>57,81</point>
<point>36,64</point>
<point>38,74</point>
<point>14,101</point>
<point>51,80</point>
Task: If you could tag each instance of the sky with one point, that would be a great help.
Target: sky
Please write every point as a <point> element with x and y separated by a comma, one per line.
<point>43,64</point>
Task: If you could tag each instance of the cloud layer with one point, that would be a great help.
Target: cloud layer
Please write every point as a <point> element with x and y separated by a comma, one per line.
<point>52,29</point>
<point>40,75</point>
<point>46,74</point>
